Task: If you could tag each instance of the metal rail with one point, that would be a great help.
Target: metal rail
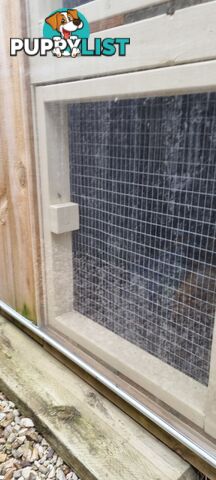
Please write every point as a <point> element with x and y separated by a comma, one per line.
<point>156,419</point>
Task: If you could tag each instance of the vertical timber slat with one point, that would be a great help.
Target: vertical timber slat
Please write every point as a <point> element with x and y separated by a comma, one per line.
<point>19,246</point>
<point>210,421</point>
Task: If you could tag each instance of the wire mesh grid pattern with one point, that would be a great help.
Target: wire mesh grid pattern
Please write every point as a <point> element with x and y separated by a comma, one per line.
<point>143,173</point>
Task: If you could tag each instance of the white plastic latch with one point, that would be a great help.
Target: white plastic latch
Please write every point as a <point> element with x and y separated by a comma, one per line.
<point>64,217</point>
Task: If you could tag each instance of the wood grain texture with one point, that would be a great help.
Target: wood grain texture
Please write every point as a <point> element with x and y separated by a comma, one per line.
<point>186,428</point>
<point>195,77</point>
<point>19,246</point>
<point>186,37</point>
<point>91,434</point>
<point>210,421</point>
<point>6,267</point>
<point>94,11</point>
<point>112,22</point>
<point>101,9</point>
<point>137,365</point>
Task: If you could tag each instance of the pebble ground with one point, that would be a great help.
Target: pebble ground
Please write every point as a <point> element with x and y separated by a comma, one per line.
<point>24,453</point>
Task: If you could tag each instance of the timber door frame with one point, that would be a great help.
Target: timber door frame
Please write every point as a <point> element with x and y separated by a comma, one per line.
<point>196,402</point>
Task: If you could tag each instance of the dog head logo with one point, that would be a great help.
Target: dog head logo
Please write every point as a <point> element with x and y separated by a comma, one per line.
<point>66,33</point>
<point>65,22</point>
<point>67,28</point>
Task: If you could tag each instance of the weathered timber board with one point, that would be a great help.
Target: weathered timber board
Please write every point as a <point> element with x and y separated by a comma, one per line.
<point>20,284</point>
<point>93,436</point>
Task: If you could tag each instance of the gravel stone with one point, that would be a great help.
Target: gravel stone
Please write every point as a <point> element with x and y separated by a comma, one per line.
<point>26,473</point>
<point>11,438</point>
<point>16,413</point>
<point>17,474</point>
<point>59,462</point>
<point>26,422</point>
<point>32,435</point>
<point>60,474</point>
<point>7,431</point>
<point>71,476</point>
<point>50,453</point>
<point>52,473</point>
<point>33,475</point>
<point>24,453</point>
<point>42,469</point>
<point>9,474</point>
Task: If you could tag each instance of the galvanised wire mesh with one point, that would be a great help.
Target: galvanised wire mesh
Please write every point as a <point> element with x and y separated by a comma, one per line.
<point>143,173</point>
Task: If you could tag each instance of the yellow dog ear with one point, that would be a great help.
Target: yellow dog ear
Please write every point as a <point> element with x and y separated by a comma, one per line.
<point>74,14</point>
<point>52,21</point>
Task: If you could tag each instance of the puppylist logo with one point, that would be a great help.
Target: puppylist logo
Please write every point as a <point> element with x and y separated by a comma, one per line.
<point>66,33</point>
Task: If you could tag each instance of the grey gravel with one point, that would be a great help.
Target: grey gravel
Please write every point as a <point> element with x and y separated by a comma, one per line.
<point>24,453</point>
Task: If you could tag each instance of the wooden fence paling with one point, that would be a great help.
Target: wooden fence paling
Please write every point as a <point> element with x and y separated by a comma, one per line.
<point>6,267</point>
<point>19,246</point>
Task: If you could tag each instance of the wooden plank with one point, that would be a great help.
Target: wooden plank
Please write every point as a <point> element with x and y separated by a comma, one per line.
<point>101,9</point>
<point>196,77</point>
<point>54,188</point>
<point>21,253</point>
<point>94,11</point>
<point>37,12</point>
<point>52,125</point>
<point>187,36</point>
<point>139,366</point>
<point>107,23</point>
<point>91,434</point>
<point>186,429</point>
<point>53,160</point>
<point>7,292</point>
<point>210,420</point>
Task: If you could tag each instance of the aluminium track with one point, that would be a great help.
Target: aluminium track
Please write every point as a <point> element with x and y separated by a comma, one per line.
<point>141,408</point>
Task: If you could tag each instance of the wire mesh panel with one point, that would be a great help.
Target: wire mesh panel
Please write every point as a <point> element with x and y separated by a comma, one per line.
<point>143,172</point>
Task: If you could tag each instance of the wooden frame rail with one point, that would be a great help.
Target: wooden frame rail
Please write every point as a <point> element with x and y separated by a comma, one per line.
<point>196,402</point>
<point>188,36</point>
